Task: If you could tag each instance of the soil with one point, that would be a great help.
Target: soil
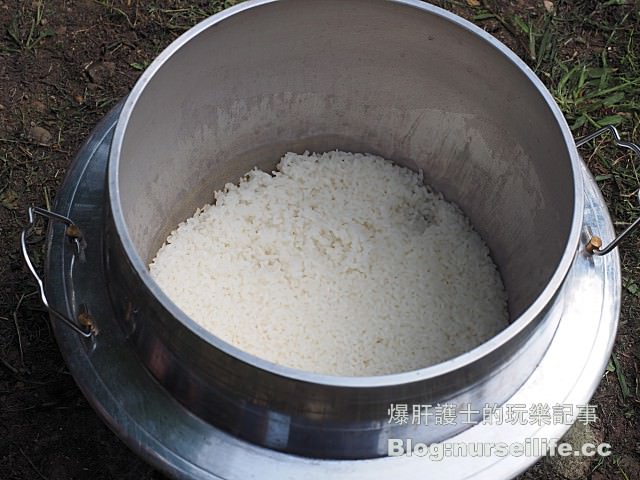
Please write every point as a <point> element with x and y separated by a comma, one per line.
<point>63,65</point>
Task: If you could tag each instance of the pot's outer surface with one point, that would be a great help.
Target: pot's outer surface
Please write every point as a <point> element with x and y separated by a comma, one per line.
<point>402,79</point>
<point>143,414</point>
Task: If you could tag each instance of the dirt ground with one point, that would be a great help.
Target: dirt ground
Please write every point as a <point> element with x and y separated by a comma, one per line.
<point>65,63</point>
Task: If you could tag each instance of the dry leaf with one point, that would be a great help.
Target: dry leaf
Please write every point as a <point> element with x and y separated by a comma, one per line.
<point>9,199</point>
<point>549,6</point>
<point>473,3</point>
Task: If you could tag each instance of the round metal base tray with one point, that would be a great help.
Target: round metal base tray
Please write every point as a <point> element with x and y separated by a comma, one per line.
<point>166,434</point>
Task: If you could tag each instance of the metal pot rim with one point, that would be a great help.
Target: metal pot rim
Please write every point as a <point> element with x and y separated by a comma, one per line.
<point>470,357</point>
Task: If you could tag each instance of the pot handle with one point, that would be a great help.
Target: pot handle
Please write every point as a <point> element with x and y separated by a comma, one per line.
<point>86,328</point>
<point>594,245</point>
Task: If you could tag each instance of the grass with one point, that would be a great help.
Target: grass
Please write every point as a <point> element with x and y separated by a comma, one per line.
<point>614,366</point>
<point>597,85</point>
<point>184,17</point>
<point>116,11</point>
<point>591,88</point>
<point>28,28</point>
<point>623,474</point>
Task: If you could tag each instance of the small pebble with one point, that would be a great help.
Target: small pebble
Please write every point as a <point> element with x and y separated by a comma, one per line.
<point>40,135</point>
<point>100,71</point>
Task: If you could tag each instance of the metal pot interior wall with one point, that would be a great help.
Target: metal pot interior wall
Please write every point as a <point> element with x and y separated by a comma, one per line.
<point>401,79</point>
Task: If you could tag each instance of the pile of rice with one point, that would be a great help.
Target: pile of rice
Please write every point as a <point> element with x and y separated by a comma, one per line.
<point>337,263</point>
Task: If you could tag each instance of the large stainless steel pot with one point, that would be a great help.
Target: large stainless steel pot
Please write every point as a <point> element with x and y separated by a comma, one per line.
<point>153,424</point>
<point>401,79</point>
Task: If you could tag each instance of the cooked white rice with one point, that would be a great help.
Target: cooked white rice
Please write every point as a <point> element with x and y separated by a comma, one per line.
<point>337,263</point>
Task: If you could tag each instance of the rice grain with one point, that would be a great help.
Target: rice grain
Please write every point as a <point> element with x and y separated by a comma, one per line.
<point>337,263</point>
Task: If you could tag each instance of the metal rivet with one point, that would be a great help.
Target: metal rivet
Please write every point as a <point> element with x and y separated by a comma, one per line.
<point>73,231</point>
<point>86,321</point>
<point>594,244</point>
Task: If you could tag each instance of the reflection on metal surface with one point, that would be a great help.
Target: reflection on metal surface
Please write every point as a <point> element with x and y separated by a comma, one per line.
<point>166,434</point>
